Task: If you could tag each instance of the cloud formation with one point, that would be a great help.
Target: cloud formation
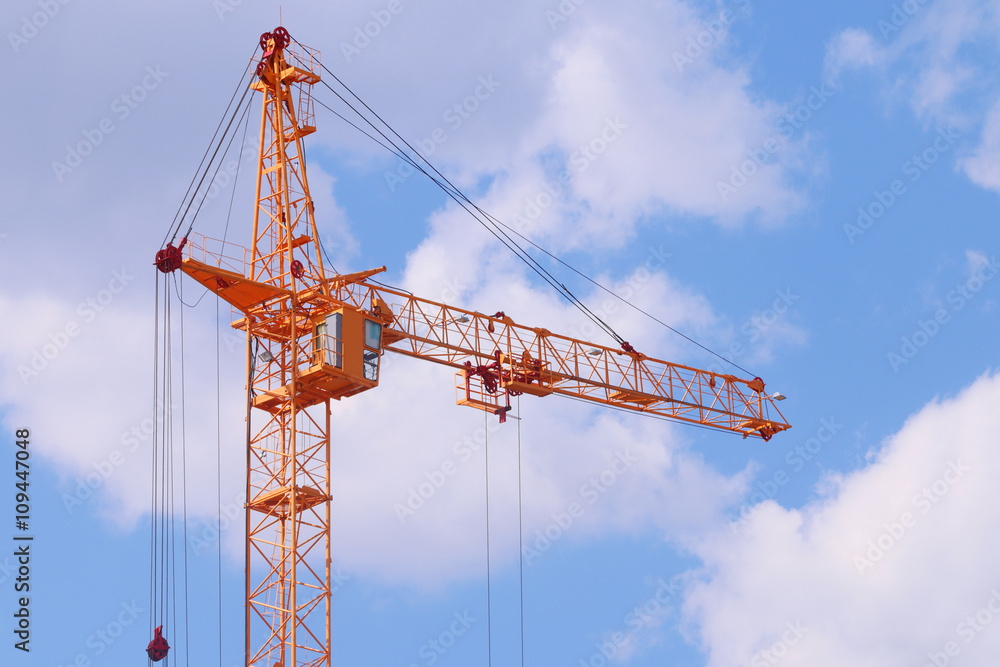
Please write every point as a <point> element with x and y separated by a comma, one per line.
<point>892,564</point>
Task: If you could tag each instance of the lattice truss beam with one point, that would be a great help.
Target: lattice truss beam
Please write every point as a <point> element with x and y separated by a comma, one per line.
<point>537,361</point>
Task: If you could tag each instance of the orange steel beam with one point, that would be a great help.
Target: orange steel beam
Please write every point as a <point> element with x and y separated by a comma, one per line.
<point>567,366</point>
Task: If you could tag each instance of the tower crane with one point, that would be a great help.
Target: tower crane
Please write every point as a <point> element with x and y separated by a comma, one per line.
<point>313,336</point>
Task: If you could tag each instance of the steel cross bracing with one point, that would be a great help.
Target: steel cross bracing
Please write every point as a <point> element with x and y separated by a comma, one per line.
<point>562,365</point>
<point>312,338</point>
<point>288,476</point>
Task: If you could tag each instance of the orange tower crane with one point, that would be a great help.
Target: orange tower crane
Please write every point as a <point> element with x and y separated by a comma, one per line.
<point>313,337</point>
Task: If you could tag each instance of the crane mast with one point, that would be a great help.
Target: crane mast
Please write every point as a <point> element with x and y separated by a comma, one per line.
<point>288,494</point>
<point>312,338</point>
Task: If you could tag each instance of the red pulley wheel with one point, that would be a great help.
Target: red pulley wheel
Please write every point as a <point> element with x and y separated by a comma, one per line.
<point>281,37</point>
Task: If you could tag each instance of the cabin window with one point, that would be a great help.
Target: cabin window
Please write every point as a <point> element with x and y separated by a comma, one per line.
<point>373,345</point>
<point>329,342</point>
<point>373,335</point>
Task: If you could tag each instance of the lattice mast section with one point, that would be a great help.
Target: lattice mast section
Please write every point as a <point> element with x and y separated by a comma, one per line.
<point>288,511</point>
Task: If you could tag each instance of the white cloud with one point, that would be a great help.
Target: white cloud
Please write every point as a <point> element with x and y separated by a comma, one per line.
<point>883,568</point>
<point>79,375</point>
<point>975,260</point>
<point>853,48</point>
<point>334,228</point>
<point>983,166</point>
<point>681,130</point>
<point>569,455</point>
<point>604,99</point>
<point>931,58</point>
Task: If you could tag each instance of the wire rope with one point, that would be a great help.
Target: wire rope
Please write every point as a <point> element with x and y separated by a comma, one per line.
<point>498,228</point>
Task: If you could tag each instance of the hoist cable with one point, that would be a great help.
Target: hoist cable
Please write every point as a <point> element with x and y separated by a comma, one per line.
<point>456,194</point>
<point>164,545</point>
<point>244,112</point>
<point>177,222</point>
<point>236,177</point>
<point>489,604</point>
<point>506,241</point>
<point>462,200</point>
<point>319,242</point>
<point>218,451</point>
<point>187,649</point>
<point>401,156</point>
<point>664,418</point>
<point>621,298</point>
<point>245,115</point>
<point>152,483</point>
<point>520,529</point>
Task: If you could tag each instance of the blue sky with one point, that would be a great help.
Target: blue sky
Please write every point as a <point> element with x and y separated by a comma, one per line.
<point>809,190</point>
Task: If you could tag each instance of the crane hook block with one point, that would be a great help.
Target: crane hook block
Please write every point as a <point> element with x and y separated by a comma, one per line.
<point>159,647</point>
<point>168,260</point>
